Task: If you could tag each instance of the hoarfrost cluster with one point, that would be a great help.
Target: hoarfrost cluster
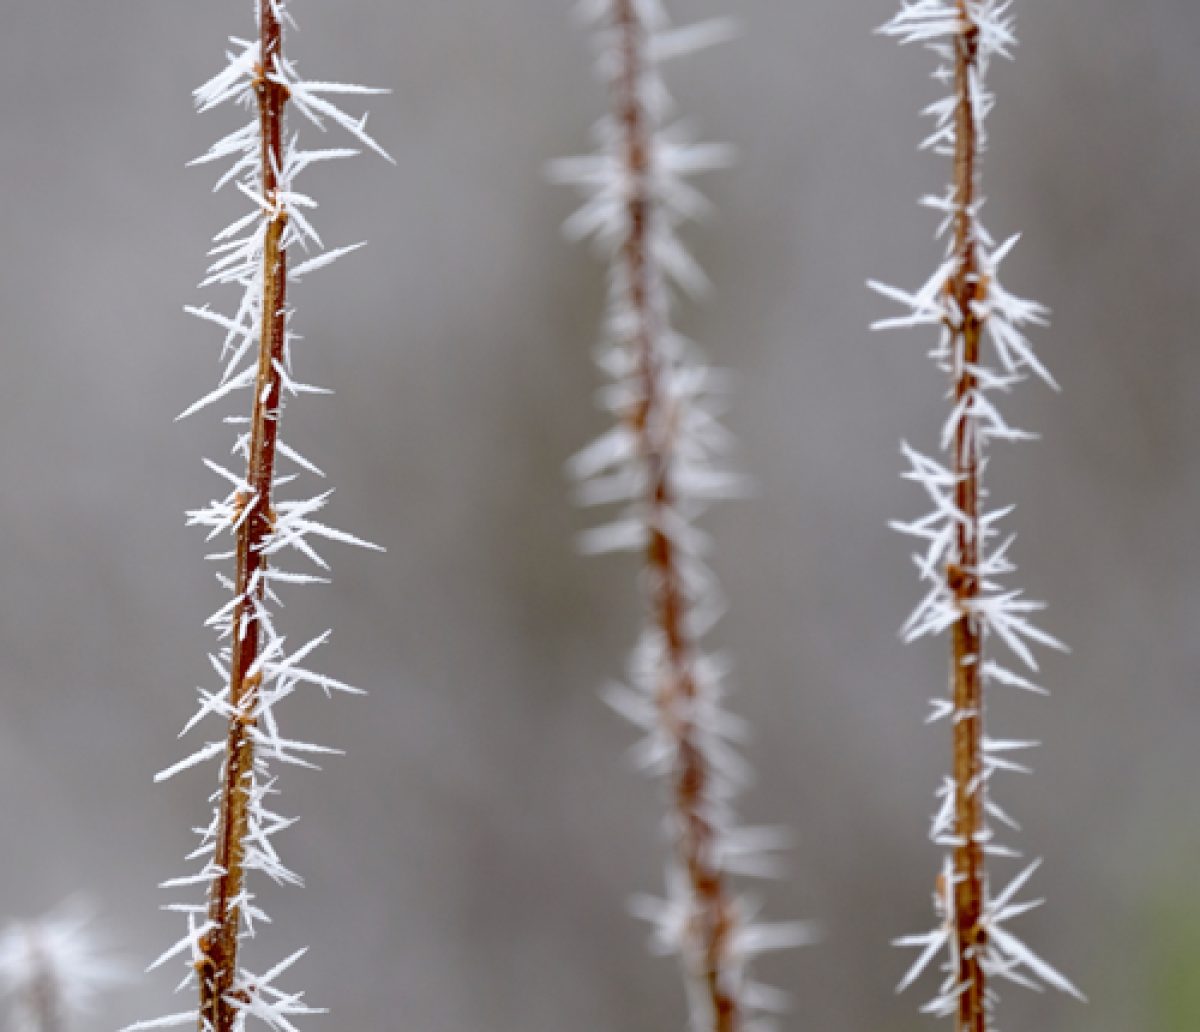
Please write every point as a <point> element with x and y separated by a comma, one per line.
<point>995,610</point>
<point>665,459</point>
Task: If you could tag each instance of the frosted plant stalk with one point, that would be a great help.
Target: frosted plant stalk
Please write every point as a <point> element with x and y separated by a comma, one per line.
<point>964,559</point>
<point>255,665</point>
<point>53,968</point>
<point>663,459</point>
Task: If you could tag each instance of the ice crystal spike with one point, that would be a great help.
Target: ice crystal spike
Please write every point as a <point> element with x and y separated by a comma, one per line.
<point>665,461</point>
<point>964,560</point>
<point>256,665</point>
<point>52,969</point>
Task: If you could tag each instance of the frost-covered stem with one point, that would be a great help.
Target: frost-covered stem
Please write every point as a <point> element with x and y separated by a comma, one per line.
<point>963,575</point>
<point>41,993</point>
<point>961,560</point>
<point>219,949</point>
<point>651,420</point>
<point>256,668</point>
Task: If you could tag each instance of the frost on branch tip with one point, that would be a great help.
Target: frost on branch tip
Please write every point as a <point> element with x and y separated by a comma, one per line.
<point>255,529</point>
<point>964,557</point>
<point>665,462</point>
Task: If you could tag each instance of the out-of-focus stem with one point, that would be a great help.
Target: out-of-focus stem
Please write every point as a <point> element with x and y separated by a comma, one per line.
<point>218,965</point>
<point>707,956</point>
<point>43,995</point>
<point>966,288</point>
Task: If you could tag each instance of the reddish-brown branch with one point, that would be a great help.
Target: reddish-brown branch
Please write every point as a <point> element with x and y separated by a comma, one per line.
<point>963,575</point>
<point>218,964</point>
<point>707,958</point>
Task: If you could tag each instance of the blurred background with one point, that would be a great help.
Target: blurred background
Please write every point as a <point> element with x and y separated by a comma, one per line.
<point>469,859</point>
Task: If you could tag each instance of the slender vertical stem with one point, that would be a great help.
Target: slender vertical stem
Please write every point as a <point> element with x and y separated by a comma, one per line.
<point>966,597</point>
<point>218,966</point>
<point>963,576</point>
<point>651,419</point>
<point>42,992</point>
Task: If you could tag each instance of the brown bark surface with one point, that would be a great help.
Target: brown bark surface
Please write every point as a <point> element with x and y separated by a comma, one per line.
<point>963,578</point>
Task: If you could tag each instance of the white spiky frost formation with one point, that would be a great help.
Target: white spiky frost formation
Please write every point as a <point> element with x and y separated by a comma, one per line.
<point>238,261</point>
<point>999,610</point>
<point>665,460</point>
<point>53,968</point>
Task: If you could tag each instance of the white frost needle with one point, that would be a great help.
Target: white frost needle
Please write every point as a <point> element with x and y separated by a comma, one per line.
<point>255,667</point>
<point>664,461</point>
<point>960,561</point>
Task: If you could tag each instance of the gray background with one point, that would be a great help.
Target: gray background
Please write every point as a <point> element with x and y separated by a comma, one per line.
<point>468,859</point>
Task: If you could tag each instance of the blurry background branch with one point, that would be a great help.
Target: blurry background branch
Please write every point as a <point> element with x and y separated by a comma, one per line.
<point>666,460</point>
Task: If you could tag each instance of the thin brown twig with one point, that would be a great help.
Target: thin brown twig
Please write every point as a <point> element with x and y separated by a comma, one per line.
<point>963,577</point>
<point>651,421</point>
<point>218,964</point>
<point>966,595</point>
